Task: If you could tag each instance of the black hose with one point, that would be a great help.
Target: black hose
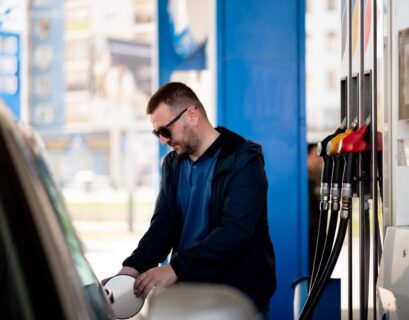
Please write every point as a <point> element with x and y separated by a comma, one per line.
<point>377,226</point>
<point>380,174</point>
<point>324,199</point>
<point>326,176</point>
<point>366,255</point>
<point>327,247</point>
<point>317,290</point>
<point>337,174</point>
<point>346,209</point>
<point>319,247</point>
<point>323,215</point>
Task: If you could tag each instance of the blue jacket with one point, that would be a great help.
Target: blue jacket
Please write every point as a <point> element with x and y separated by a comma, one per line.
<point>238,250</point>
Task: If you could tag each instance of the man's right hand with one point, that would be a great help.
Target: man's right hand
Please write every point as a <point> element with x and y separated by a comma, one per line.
<point>124,270</point>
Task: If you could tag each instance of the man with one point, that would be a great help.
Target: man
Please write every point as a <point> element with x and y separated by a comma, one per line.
<point>211,211</point>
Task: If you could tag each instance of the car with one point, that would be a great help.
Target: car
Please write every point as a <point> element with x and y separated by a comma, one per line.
<point>43,270</point>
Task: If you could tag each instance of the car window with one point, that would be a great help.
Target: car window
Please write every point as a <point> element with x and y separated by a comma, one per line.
<point>26,287</point>
<point>92,288</point>
<point>14,302</point>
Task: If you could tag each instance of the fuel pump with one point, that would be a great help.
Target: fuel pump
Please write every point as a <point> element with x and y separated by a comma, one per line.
<point>392,291</point>
<point>362,89</point>
<point>353,142</point>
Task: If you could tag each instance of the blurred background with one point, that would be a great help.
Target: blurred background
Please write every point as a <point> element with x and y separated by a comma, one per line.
<point>83,72</point>
<point>90,71</point>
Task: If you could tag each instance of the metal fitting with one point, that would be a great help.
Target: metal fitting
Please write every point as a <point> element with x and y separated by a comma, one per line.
<point>335,191</point>
<point>346,190</point>
<point>346,204</point>
<point>324,188</point>
<point>344,214</point>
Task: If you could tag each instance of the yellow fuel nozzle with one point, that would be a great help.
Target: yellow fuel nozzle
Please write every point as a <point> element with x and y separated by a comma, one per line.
<point>332,146</point>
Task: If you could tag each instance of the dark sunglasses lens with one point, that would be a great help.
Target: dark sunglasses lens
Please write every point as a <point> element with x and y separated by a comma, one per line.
<point>164,132</point>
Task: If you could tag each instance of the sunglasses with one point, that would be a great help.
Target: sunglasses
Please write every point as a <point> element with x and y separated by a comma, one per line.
<point>164,130</point>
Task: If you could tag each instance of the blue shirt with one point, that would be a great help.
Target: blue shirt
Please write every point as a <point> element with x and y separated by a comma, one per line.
<point>194,189</point>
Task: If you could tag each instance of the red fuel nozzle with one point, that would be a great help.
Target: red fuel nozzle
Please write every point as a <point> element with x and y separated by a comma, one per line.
<point>354,142</point>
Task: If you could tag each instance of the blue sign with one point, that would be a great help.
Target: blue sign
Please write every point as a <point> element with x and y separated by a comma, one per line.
<point>10,71</point>
<point>177,50</point>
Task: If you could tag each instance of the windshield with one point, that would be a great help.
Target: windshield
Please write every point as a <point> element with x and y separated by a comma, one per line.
<point>92,288</point>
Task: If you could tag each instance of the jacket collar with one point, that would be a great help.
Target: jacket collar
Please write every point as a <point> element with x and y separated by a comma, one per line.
<point>230,141</point>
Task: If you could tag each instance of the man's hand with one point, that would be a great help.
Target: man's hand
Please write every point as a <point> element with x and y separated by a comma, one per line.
<point>155,277</point>
<point>125,270</point>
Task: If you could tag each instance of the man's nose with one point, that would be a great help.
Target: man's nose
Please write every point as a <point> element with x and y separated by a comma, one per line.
<point>163,140</point>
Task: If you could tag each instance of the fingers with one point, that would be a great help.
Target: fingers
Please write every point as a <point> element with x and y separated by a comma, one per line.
<point>159,277</point>
<point>148,289</point>
<point>143,284</point>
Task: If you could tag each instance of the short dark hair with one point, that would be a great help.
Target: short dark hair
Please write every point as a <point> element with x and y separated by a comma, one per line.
<point>177,95</point>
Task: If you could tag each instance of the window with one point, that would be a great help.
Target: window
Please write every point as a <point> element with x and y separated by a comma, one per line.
<point>92,290</point>
<point>331,41</point>
<point>23,264</point>
<point>332,80</point>
<point>28,288</point>
<point>331,5</point>
<point>308,6</point>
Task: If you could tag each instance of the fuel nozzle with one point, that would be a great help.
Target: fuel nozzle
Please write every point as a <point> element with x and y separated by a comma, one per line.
<point>338,166</point>
<point>351,145</point>
<point>327,167</point>
<point>355,142</point>
<point>333,145</point>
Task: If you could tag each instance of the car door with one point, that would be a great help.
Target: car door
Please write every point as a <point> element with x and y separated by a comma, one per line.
<point>43,271</point>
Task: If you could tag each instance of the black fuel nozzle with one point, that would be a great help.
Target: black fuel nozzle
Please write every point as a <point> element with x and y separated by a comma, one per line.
<point>328,165</point>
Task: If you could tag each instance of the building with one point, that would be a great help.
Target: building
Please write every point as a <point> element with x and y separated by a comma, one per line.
<point>105,81</point>
<point>323,43</point>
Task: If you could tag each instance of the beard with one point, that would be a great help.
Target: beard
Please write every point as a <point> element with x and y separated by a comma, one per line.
<point>188,145</point>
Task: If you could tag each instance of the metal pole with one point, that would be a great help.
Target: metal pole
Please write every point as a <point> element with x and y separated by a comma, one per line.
<point>374,160</point>
<point>361,183</point>
<point>350,245</point>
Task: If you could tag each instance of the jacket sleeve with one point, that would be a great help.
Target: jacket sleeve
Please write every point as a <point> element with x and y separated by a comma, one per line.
<point>243,206</point>
<point>156,244</point>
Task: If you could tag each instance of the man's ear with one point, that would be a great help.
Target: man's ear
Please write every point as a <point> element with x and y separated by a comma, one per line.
<point>193,115</point>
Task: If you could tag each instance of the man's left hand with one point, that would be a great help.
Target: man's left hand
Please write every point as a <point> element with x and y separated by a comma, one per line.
<point>155,277</point>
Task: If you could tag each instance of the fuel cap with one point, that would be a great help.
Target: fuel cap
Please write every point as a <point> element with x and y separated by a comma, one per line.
<point>124,302</point>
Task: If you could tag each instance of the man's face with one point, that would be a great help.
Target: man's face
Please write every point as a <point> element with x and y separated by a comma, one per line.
<point>183,139</point>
